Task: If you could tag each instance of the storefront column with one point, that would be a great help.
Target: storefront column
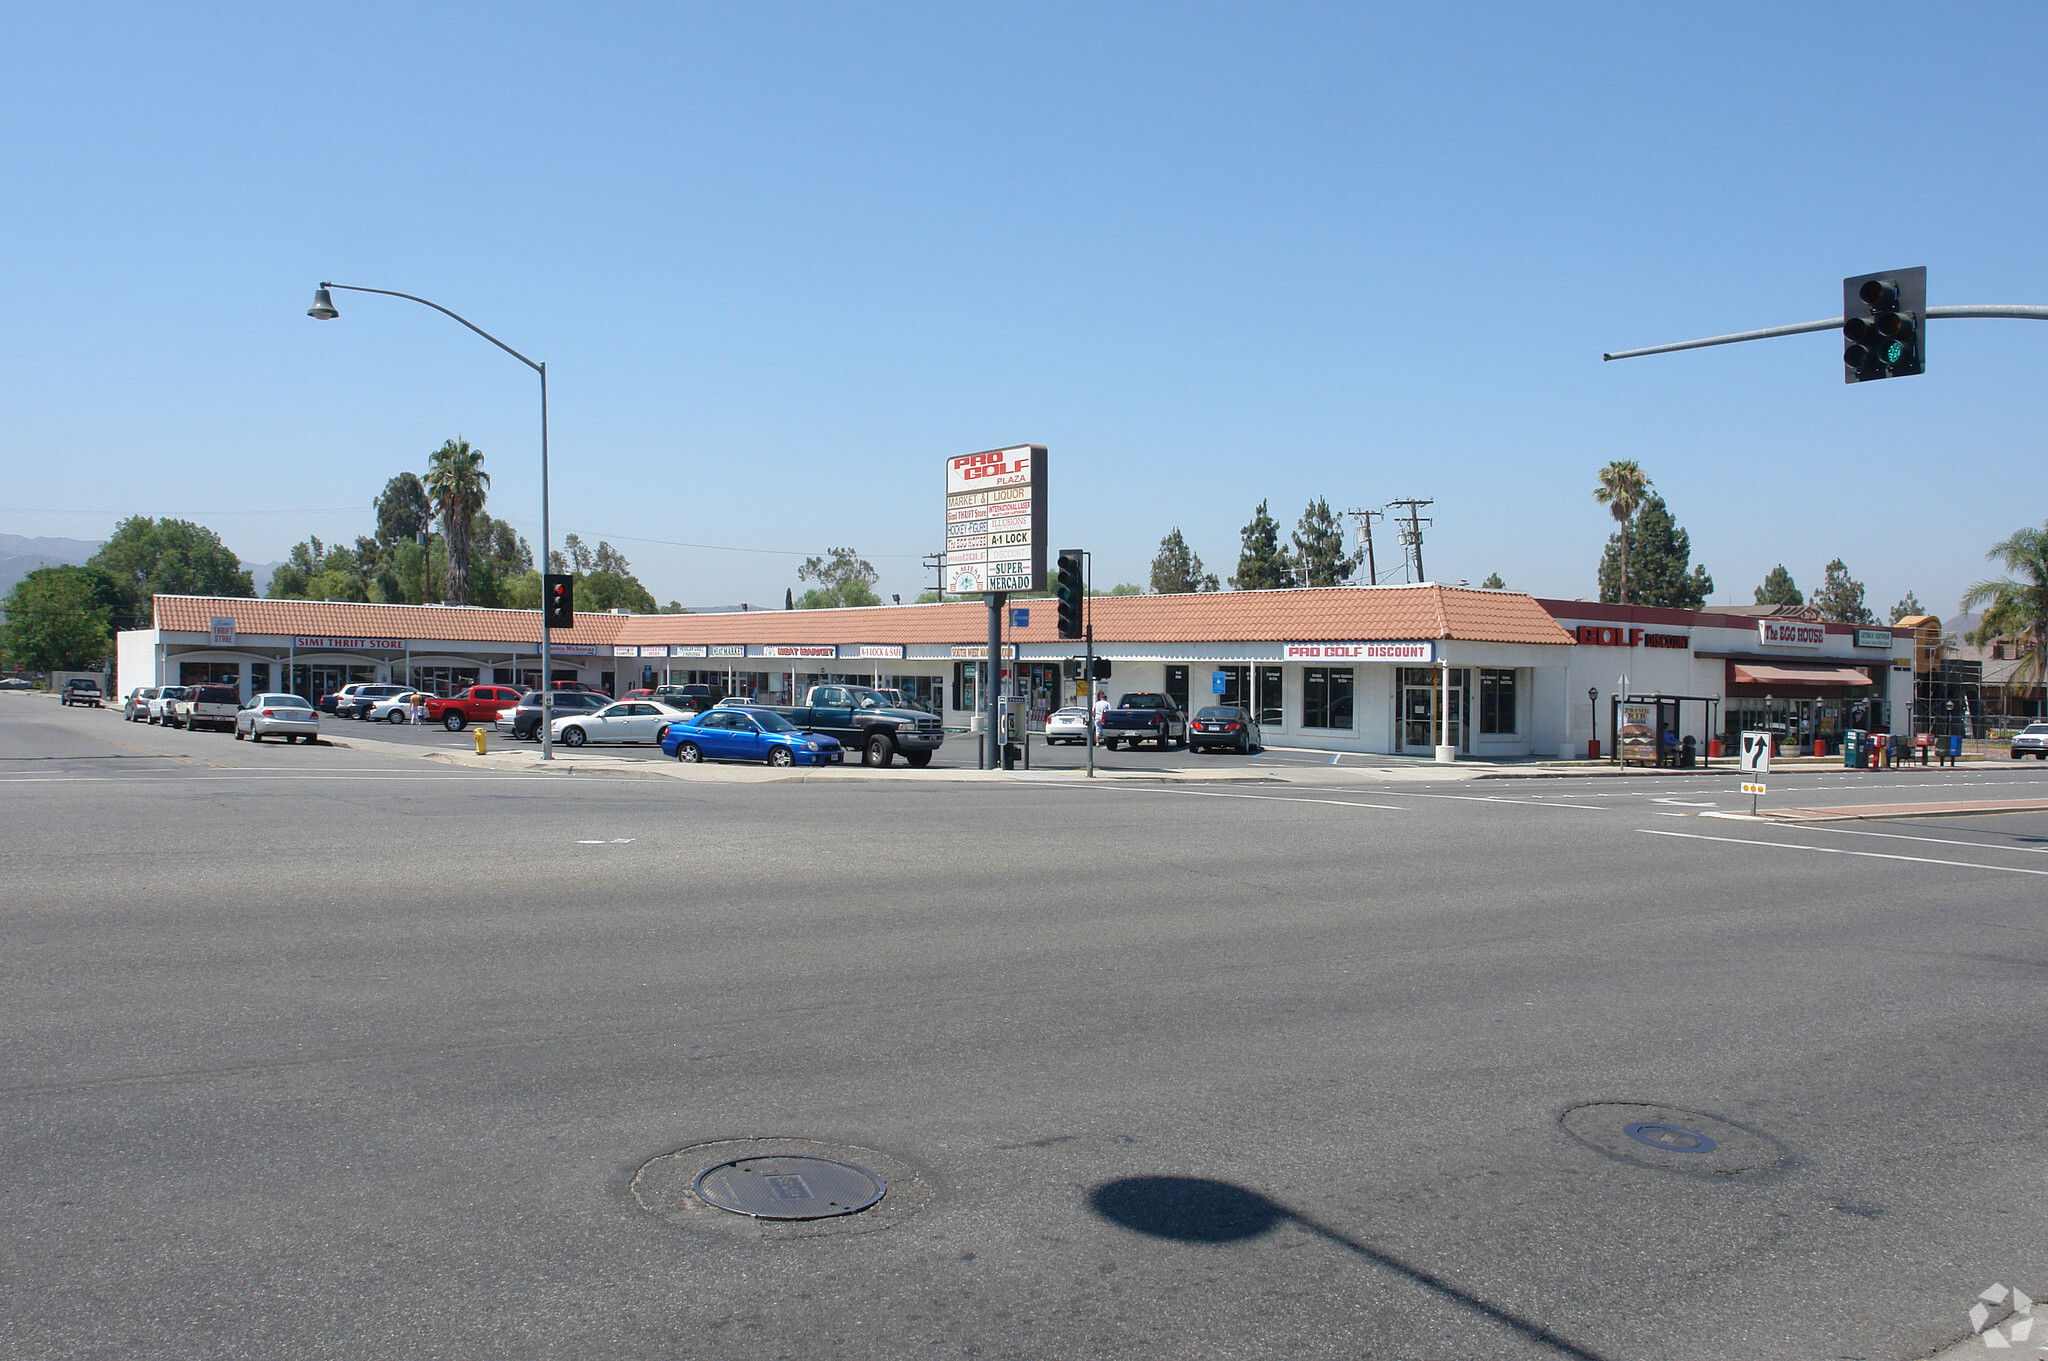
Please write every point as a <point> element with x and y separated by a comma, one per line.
<point>1446,749</point>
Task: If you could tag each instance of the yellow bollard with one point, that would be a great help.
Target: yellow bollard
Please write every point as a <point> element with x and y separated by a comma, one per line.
<point>479,741</point>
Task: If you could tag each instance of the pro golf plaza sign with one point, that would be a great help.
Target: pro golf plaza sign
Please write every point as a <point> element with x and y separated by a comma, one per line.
<point>995,521</point>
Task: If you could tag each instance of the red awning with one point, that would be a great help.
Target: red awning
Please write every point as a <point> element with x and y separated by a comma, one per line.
<point>1793,673</point>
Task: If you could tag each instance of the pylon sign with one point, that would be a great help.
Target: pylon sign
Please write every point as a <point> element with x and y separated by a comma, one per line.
<point>995,521</point>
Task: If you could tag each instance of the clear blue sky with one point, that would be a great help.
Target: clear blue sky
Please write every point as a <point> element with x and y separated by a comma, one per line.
<point>781,261</point>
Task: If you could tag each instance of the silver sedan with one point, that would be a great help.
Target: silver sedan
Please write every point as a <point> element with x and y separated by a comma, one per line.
<point>285,716</point>
<point>630,720</point>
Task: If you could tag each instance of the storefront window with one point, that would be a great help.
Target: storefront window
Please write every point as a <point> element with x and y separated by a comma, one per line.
<point>259,677</point>
<point>1496,701</point>
<point>1177,686</point>
<point>923,691</point>
<point>1326,697</point>
<point>967,684</point>
<point>210,673</point>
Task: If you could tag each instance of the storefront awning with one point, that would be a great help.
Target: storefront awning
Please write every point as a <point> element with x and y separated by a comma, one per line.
<point>1791,673</point>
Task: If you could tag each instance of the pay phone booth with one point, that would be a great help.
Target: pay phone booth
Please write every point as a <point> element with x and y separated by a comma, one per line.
<point>1651,730</point>
<point>1010,711</point>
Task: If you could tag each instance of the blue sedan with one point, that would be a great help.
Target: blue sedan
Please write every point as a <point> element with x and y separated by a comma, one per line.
<point>739,734</point>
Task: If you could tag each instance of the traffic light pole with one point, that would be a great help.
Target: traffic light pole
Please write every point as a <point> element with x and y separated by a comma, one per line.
<point>992,749</point>
<point>2013,311</point>
<point>1088,666</point>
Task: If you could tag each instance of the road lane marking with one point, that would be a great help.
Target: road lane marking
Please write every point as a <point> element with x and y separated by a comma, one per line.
<point>1931,840</point>
<point>1269,798</point>
<point>1838,850</point>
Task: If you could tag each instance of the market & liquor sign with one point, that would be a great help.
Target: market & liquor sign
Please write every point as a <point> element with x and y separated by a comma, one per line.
<point>995,521</point>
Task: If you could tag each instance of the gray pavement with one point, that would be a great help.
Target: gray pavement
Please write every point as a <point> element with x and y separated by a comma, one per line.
<point>336,1051</point>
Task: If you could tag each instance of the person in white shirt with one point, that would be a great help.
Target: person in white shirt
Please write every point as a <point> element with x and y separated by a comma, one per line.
<point>1101,712</point>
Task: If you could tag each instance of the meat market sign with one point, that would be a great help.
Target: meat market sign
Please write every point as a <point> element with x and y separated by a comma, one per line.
<point>1787,633</point>
<point>995,521</point>
<point>1358,652</point>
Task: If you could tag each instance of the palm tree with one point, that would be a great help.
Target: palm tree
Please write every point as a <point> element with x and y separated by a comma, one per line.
<point>2017,607</point>
<point>457,482</point>
<point>1623,484</point>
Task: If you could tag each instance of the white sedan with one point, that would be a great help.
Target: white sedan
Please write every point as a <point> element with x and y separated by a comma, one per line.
<point>285,716</point>
<point>630,720</point>
<point>393,709</point>
<point>1067,725</point>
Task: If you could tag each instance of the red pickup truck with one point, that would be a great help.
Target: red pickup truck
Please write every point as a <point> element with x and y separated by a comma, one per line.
<point>477,704</point>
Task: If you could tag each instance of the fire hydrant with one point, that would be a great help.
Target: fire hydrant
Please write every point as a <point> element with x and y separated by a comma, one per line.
<point>479,741</point>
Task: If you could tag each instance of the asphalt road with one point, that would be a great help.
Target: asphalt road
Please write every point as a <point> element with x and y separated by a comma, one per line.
<point>330,1052</point>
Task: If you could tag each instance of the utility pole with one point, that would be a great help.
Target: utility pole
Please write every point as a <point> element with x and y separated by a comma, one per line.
<point>1411,533</point>
<point>1363,519</point>
<point>936,562</point>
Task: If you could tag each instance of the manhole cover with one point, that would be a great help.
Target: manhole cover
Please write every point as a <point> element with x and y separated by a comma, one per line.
<point>1671,1138</point>
<point>790,1188</point>
<point>780,1188</point>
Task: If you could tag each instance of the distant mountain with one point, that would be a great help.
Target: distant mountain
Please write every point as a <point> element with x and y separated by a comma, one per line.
<point>19,556</point>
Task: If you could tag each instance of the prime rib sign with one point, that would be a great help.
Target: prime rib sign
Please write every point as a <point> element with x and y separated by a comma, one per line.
<point>995,521</point>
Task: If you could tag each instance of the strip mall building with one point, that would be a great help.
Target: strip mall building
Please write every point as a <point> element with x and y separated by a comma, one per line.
<point>1385,669</point>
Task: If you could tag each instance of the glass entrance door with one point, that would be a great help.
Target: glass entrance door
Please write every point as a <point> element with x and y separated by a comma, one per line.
<point>1420,725</point>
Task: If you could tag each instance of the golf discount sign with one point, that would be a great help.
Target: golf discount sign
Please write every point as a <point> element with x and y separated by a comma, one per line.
<point>995,521</point>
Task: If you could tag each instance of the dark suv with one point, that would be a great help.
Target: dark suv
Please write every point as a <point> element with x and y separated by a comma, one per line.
<point>526,718</point>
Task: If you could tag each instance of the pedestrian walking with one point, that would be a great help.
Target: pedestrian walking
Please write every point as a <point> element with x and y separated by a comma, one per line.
<point>419,708</point>
<point>1101,713</point>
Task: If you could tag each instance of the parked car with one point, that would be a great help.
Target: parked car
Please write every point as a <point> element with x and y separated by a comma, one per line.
<point>1068,725</point>
<point>525,719</point>
<point>578,687</point>
<point>860,719</point>
<point>79,690</point>
<point>15,683</point>
<point>689,698</point>
<point>735,733</point>
<point>164,707</point>
<point>477,704</point>
<point>2031,740</point>
<point>392,708</point>
<point>332,703</point>
<point>366,698</point>
<point>285,716</point>
<point>210,706</point>
<point>1145,718</point>
<point>1223,725</point>
<point>135,708</point>
<point>628,720</point>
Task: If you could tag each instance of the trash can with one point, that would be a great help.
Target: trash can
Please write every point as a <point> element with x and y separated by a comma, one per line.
<point>1853,757</point>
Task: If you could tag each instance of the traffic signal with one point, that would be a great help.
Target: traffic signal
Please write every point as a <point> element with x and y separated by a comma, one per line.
<point>1071,668</point>
<point>558,593</point>
<point>1073,590</point>
<point>1102,668</point>
<point>1883,321</point>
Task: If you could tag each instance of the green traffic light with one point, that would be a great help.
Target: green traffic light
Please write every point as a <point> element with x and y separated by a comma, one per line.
<point>1893,351</point>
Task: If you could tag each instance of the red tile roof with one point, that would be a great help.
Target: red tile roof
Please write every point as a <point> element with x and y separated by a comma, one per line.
<point>1330,614</point>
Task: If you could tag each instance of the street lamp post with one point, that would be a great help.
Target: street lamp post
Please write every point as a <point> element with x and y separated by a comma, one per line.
<point>323,309</point>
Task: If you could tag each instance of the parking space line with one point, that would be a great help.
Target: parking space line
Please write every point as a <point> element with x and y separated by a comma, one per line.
<point>1839,850</point>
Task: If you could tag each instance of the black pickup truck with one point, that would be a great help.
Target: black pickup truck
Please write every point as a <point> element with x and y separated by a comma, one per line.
<point>1145,718</point>
<point>863,721</point>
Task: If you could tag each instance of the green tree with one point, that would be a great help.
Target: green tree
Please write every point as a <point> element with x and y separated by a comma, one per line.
<point>1623,484</point>
<point>613,591</point>
<point>318,571</point>
<point>2016,606</point>
<point>1493,583</point>
<point>457,484</point>
<point>1664,575</point>
<point>58,619</point>
<point>1840,597</point>
<point>1177,568</point>
<point>1124,588</point>
<point>1262,563</point>
<point>404,511</point>
<point>167,557</point>
<point>1319,556</point>
<point>1779,589</point>
<point>844,579</point>
<point>1908,607</point>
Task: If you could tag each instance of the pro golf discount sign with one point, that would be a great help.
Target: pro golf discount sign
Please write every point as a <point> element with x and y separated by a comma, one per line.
<point>995,521</point>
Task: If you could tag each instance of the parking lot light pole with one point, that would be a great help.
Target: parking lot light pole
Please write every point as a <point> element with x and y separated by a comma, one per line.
<point>323,309</point>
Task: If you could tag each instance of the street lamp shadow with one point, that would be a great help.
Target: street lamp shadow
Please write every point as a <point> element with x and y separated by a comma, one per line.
<point>1201,1210</point>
